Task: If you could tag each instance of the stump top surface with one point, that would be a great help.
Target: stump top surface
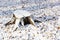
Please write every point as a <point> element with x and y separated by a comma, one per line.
<point>21,13</point>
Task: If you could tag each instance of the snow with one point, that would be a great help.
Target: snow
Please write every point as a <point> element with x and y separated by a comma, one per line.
<point>5,16</point>
<point>46,11</point>
<point>21,13</point>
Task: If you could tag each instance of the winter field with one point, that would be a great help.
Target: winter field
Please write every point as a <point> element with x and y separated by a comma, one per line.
<point>43,23</point>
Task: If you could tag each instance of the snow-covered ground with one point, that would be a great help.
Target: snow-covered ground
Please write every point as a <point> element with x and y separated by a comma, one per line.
<point>46,14</point>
